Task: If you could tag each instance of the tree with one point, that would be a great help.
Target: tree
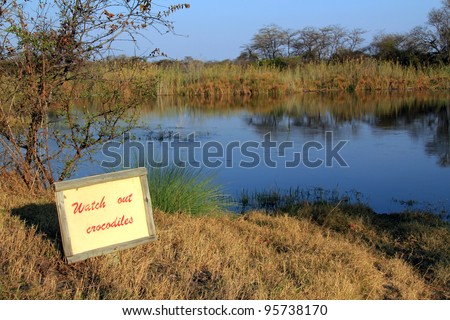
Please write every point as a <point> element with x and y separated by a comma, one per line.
<point>332,40</point>
<point>355,39</point>
<point>350,47</point>
<point>47,44</point>
<point>290,37</point>
<point>423,44</point>
<point>308,43</point>
<point>416,47</point>
<point>439,39</point>
<point>269,42</point>
<point>314,44</point>
<point>246,56</point>
<point>387,46</point>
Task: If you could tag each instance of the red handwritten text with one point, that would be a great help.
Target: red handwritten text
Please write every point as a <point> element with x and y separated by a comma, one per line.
<point>79,207</point>
<point>125,199</point>
<point>118,222</point>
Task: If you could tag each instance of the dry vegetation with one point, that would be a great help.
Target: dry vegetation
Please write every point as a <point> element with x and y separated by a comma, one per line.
<point>253,256</point>
<point>219,80</point>
<point>198,79</point>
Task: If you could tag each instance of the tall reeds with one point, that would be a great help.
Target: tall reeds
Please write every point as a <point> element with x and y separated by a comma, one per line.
<point>228,79</point>
<point>218,81</point>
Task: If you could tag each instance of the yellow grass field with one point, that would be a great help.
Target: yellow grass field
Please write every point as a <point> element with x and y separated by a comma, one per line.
<point>251,256</point>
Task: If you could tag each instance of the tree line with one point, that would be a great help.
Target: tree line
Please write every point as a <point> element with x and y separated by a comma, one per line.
<point>428,44</point>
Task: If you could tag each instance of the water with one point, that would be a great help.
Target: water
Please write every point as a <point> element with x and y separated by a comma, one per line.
<point>396,146</point>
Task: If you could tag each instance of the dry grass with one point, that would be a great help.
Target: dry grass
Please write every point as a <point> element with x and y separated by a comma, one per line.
<point>255,256</point>
<point>219,80</point>
<point>198,79</point>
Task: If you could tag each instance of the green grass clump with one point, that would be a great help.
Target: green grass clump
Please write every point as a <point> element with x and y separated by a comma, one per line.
<point>183,189</point>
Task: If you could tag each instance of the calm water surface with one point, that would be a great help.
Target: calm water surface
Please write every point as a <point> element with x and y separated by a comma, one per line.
<point>398,145</point>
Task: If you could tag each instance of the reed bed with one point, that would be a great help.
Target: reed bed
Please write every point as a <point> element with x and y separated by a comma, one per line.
<point>228,83</point>
<point>196,79</point>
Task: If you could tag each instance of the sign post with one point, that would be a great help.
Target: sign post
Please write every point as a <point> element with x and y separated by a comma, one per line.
<point>104,213</point>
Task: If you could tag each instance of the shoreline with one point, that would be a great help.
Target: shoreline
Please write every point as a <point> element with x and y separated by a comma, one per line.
<point>376,256</point>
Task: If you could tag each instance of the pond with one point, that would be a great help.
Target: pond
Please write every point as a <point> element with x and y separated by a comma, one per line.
<point>388,150</point>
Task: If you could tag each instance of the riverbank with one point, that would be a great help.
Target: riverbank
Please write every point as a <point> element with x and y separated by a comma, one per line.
<point>323,252</point>
<point>214,80</point>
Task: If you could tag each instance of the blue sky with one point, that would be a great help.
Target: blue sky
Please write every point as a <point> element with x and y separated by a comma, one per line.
<point>216,30</point>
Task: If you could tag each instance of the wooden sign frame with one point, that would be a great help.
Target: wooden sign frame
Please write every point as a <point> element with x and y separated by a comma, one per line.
<point>133,224</point>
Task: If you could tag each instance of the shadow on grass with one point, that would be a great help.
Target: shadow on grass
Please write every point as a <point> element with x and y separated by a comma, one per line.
<point>44,217</point>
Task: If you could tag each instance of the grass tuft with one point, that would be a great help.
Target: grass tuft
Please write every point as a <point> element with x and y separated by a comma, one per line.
<point>183,189</point>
